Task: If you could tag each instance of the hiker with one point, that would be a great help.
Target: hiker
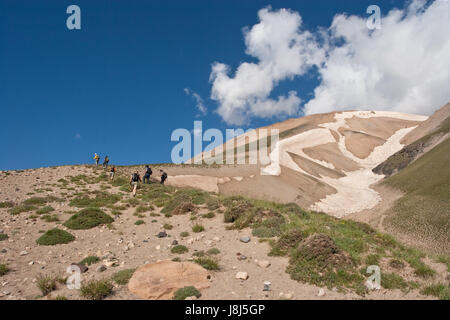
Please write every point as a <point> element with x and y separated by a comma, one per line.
<point>97,159</point>
<point>135,178</point>
<point>163,176</point>
<point>112,172</point>
<point>148,173</point>
<point>105,162</point>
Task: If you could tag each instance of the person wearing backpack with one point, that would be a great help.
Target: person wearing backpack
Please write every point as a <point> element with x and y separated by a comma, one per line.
<point>105,162</point>
<point>148,173</point>
<point>97,159</point>
<point>112,172</point>
<point>163,176</point>
<point>135,179</point>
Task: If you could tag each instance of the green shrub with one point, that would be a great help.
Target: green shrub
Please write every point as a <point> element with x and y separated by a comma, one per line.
<point>440,291</point>
<point>90,260</point>
<point>179,249</point>
<point>213,251</point>
<point>45,210</point>
<point>3,269</point>
<point>88,218</point>
<point>184,234</point>
<point>39,201</point>
<point>393,281</point>
<point>21,208</point>
<point>207,263</point>
<point>46,284</point>
<point>49,218</point>
<point>101,199</point>
<point>185,292</point>
<point>209,215</point>
<point>139,222</point>
<point>198,228</point>
<point>96,289</point>
<point>6,204</point>
<point>167,226</point>
<point>55,236</point>
<point>3,236</point>
<point>122,277</point>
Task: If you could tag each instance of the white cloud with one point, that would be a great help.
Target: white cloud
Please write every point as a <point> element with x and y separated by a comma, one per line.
<point>404,66</point>
<point>198,100</point>
<point>283,51</point>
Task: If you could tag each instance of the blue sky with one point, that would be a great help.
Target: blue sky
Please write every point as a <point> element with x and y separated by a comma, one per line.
<point>117,85</point>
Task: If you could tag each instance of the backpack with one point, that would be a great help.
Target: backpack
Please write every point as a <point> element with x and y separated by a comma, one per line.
<point>135,177</point>
<point>164,176</point>
<point>149,171</point>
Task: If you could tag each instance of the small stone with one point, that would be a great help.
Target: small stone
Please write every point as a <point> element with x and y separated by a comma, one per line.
<point>242,275</point>
<point>321,293</point>
<point>241,257</point>
<point>174,242</point>
<point>216,239</point>
<point>30,263</point>
<point>263,263</point>
<point>162,234</point>
<point>100,268</point>
<point>245,239</point>
<point>191,298</point>
<point>4,250</point>
<point>158,247</point>
<point>190,241</point>
<point>23,253</point>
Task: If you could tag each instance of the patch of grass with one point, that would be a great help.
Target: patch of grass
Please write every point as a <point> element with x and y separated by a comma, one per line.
<point>122,277</point>
<point>393,281</point>
<point>3,269</point>
<point>55,236</point>
<point>179,249</point>
<point>440,291</point>
<point>88,218</point>
<point>139,222</point>
<point>6,204</point>
<point>209,215</point>
<point>40,201</point>
<point>50,218</point>
<point>46,284</point>
<point>207,263</point>
<point>101,199</point>
<point>200,253</point>
<point>3,236</point>
<point>185,292</point>
<point>167,226</point>
<point>96,289</point>
<point>60,298</point>
<point>373,259</point>
<point>90,260</point>
<point>45,210</point>
<point>21,208</point>
<point>213,251</point>
<point>424,209</point>
<point>198,228</point>
<point>176,259</point>
<point>184,234</point>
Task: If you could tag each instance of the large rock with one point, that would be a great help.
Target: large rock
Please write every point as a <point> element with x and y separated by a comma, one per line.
<point>160,280</point>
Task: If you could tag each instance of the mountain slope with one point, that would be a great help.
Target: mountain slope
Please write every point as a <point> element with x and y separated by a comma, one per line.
<point>423,213</point>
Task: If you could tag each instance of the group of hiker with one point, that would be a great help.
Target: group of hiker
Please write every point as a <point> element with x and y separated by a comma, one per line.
<point>135,177</point>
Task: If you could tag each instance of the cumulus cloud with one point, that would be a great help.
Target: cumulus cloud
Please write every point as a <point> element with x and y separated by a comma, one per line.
<point>404,66</point>
<point>283,51</point>
<point>200,105</point>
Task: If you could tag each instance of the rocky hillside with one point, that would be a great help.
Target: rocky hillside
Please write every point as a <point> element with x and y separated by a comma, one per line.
<point>52,219</point>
